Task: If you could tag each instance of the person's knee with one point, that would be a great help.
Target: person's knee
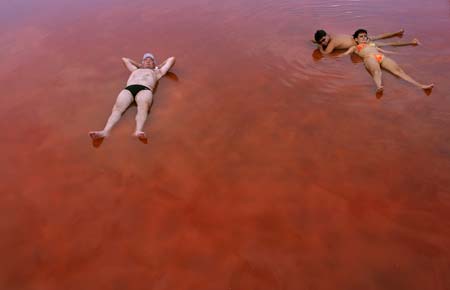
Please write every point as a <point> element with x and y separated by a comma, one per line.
<point>375,71</point>
<point>143,101</point>
<point>398,71</point>
<point>118,108</point>
<point>142,106</point>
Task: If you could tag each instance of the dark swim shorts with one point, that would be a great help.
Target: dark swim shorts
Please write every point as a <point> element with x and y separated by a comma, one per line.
<point>135,89</point>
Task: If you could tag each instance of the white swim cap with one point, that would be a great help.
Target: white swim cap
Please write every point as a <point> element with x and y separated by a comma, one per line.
<point>146,55</point>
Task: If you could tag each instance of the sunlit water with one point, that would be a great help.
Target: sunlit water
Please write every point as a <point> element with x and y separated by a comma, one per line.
<point>268,167</point>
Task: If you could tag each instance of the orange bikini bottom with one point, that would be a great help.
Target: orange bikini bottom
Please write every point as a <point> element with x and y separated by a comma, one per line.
<point>378,57</point>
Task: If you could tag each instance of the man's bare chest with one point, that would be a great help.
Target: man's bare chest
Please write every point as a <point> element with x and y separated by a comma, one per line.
<point>144,74</point>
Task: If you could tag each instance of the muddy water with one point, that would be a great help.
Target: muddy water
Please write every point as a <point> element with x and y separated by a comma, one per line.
<point>268,166</point>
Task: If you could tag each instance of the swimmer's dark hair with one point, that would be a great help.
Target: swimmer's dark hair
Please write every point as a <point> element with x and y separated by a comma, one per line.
<point>319,34</point>
<point>357,32</point>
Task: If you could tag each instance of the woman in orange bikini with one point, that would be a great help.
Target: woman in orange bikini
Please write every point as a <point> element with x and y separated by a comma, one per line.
<point>374,60</point>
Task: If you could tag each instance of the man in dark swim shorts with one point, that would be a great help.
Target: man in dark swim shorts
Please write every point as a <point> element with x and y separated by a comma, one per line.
<point>140,84</point>
<point>135,89</point>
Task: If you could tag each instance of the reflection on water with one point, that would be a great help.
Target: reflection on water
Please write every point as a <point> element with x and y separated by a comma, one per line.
<point>268,165</point>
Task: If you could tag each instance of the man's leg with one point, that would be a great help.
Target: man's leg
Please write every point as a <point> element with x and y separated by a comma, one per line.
<point>390,65</point>
<point>124,99</point>
<point>388,35</point>
<point>144,101</point>
<point>374,69</point>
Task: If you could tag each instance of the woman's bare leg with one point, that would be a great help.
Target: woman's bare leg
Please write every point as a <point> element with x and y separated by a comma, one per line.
<point>390,65</point>
<point>413,42</point>
<point>388,35</point>
<point>374,69</point>
<point>144,101</point>
<point>124,99</point>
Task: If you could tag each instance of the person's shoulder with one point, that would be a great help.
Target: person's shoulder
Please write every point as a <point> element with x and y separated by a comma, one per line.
<point>157,71</point>
<point>339,36</point>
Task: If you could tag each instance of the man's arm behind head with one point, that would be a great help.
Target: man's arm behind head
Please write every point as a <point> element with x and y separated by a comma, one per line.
<point>130,64</point>
<point>328,49</point>
<point>166,65</point>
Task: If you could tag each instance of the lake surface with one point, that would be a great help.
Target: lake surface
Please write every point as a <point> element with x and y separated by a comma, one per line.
<point>268,166</point>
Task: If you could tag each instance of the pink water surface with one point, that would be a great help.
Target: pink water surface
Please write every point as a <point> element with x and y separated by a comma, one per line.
<point>268,166</point>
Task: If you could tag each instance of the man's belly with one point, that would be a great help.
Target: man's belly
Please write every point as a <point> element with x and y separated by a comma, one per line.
<point>148,82</point>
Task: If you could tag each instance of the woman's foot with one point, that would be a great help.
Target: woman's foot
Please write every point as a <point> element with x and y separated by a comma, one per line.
<point>379,92</point>
<point>427,87</point>
<point>95,135</point>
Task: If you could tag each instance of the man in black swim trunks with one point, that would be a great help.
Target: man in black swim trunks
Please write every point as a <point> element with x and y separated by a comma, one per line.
<point>139,88</point>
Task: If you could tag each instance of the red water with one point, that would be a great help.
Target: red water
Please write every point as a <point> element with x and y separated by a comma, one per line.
<point>268,167</point>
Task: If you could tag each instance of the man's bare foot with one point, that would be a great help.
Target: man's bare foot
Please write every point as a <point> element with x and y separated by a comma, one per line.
<point>400,32</point>
<point>415,41</point>
<point>95,135</point>
<point>141,136</point>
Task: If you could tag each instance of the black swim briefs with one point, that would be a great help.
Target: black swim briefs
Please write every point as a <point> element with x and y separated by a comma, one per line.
<point>135,89</point>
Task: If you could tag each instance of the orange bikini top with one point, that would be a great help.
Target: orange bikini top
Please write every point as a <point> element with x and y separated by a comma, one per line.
<point>361,46</point>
